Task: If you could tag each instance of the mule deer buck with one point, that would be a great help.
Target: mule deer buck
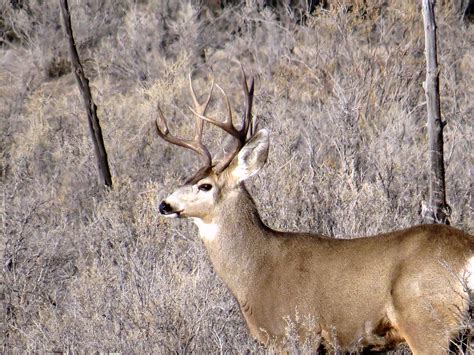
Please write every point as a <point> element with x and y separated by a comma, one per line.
<point>411,285</point>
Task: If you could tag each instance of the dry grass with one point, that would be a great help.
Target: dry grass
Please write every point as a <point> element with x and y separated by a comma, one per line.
<point>85,269</point>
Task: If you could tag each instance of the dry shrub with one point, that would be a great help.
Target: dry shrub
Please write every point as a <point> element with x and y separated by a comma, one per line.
<point>341,91</point>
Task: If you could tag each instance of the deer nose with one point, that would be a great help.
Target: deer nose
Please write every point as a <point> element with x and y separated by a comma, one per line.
<point>165,208</point>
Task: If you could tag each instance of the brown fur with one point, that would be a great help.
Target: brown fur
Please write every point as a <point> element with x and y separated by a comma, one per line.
<point>366,292</point>
<point>407,285</point>
<point>375,291</point>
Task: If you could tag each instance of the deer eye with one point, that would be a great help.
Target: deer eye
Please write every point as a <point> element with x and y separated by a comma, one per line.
<point>205,187</point>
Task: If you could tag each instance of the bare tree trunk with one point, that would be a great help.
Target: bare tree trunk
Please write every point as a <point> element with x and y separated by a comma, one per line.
<point>91,108</point>
<point>437,210</point>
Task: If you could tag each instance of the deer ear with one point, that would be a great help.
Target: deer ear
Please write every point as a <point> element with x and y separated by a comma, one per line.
<point>251,158</point>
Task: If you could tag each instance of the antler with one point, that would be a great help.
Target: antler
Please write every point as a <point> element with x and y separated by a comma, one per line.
<point>240,134</point>
<point>195,143</point>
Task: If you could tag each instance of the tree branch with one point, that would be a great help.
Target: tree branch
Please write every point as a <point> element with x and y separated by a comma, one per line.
<point>91,108</point>
<point>437,210</point>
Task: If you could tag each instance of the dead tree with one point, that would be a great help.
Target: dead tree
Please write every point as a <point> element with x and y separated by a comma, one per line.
<point>437,210</point>
<point>91,108</point>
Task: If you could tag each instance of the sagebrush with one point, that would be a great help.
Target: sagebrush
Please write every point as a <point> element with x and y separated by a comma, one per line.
<point>340,89</point>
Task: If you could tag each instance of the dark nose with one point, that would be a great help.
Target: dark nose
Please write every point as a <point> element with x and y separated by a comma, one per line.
<point>165,208</point>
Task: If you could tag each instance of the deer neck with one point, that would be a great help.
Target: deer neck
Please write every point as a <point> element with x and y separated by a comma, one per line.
<point>235,239</point>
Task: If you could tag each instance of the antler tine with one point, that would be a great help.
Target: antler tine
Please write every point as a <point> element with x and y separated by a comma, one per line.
<point>229,120</point>
<point>247,114</point>
<point>200,108</point>
<point>194,144</point>
<point>227,125</point>
<point>203,106</point>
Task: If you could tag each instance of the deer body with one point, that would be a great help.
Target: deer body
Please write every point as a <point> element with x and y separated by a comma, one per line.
<point>361,291</point>
<point>411,285</point>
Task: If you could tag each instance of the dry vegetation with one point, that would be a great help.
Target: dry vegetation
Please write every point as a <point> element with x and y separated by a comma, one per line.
<point>85,269</point>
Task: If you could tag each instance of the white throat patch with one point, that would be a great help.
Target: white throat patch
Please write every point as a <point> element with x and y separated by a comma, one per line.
<point>207,231</point>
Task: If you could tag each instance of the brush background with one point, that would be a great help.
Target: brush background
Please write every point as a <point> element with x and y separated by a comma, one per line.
<point>340,89</point>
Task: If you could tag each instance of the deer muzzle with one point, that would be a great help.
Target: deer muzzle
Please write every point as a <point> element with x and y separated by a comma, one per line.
<point>168,211</point>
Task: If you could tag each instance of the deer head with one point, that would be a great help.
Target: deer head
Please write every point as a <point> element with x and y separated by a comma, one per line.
<point>245,152</point>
